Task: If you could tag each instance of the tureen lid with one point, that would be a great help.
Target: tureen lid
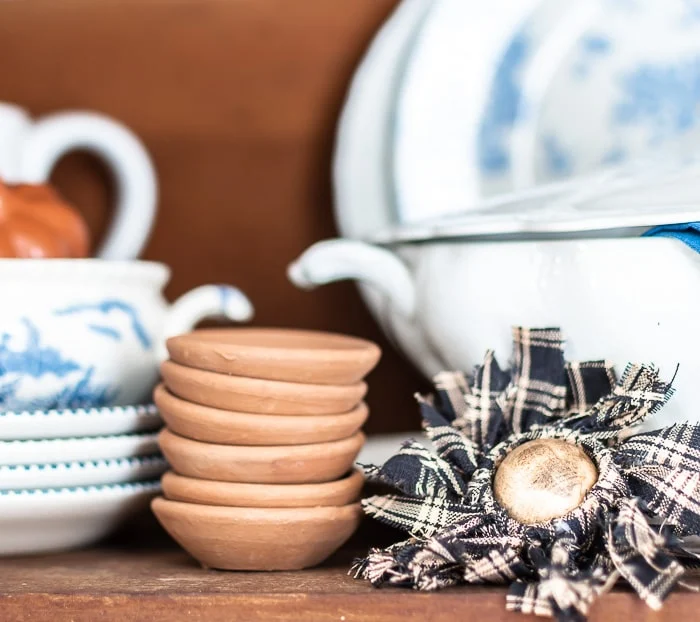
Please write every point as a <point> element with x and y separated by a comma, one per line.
<point>614,202</point>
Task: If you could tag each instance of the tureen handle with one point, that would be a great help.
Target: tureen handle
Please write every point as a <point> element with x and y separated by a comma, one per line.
<point>207,301</point>
<point>336,260</point>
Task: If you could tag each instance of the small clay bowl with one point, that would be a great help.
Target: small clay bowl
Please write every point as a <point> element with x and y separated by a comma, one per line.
<point>230,538</point>
<point>206,492</point>
<point>277,354</point>
<point>254,395</point>
<point>276,464</point>
<point>211,425</point>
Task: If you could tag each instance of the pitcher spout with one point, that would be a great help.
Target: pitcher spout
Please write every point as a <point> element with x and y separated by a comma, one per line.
<point>336,260</point>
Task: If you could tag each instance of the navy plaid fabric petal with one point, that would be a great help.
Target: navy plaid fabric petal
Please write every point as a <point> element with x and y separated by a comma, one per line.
<point>639,555</point>
<point>451,444</point>
<point>418,472</point>
<point>398,565</point>
<point>451,388</point>
<point>663,467</point>
<point>537,394</point>
<point>560,597</point>
<point>588,382</point>
<point>671,493</point>
<point>565,590</point>
<point>526,598</point>
<point>676,446</point>
<point>498,565</point>
<point>482,420</point>
<point>639,394</point>
<point>417,516</point>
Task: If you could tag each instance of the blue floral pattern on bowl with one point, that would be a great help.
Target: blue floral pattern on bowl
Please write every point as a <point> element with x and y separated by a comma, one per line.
<point>627,87</point>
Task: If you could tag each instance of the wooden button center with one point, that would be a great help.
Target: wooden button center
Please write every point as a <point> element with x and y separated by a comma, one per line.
<point>543,479</point>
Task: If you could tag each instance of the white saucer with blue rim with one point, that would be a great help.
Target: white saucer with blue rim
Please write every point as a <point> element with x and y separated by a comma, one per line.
<point>42,521</point>
<point>88,473</point>
<point>78,449</point>
<point>52,424</point>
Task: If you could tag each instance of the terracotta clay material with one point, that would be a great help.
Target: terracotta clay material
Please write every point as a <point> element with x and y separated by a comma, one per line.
<point>207,492</point>
<point>277,354</point>
<point>254,395</point>
<point>211,425</point>
<point>229,538</point>
<point>35,222</point>
<point>277,464</point>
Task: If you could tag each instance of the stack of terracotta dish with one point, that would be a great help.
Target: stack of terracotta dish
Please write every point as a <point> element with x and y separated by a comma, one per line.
<point>263,427</point>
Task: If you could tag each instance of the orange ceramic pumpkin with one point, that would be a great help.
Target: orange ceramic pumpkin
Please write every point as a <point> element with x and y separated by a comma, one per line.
<point>35,222</point>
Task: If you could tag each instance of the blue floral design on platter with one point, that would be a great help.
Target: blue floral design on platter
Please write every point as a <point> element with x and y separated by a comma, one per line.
<point>37,361</point>
<point>558,160</point>
<point>691,12</point>
<point>631,6</point>
<point>616,155</point>
<point>591,48</point>
<point>663,98</point>
<point>105,307</point>
<point>502,108</point>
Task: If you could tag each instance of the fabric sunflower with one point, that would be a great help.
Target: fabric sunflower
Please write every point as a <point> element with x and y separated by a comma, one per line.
<point>627,522</point>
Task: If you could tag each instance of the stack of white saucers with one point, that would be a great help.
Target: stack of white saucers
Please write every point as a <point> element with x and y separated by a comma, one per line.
<point>70,477</point>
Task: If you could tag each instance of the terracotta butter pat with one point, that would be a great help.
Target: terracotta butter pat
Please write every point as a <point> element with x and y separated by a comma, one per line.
<point>207,492</point>
<point>255,395</point>
<point>283,464</point>
<point>231,538</point>
<point>277,354</point>
<point>212,425</point>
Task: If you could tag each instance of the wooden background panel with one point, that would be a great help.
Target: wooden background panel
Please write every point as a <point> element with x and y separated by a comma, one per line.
<point>237,100</point>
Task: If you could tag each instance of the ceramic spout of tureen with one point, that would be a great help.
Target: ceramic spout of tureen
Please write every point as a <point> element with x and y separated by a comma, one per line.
<point>30,149</point>
<point>450,300</point>
<point>89,332</point>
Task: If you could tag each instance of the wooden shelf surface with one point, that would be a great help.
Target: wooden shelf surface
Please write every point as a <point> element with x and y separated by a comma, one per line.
<point>154,580</point>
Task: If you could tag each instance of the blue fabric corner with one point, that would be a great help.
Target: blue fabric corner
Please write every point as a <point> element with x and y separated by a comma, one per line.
<point>688,233</point>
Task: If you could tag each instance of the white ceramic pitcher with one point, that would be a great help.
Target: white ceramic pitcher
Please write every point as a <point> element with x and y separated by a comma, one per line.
<point>29,150</point>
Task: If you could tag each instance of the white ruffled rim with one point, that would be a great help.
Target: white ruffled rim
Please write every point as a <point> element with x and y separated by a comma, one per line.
<point>91,465</point>
<point>150,486</point>
<point>146,410</point>
<point>39,443</point>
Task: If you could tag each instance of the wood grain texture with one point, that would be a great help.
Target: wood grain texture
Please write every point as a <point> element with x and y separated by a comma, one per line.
<point>162,583</point>
<point>237,100</point>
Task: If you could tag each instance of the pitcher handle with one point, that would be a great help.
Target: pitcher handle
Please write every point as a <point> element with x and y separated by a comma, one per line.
<point>206,301</point>
<point>53,136</point>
